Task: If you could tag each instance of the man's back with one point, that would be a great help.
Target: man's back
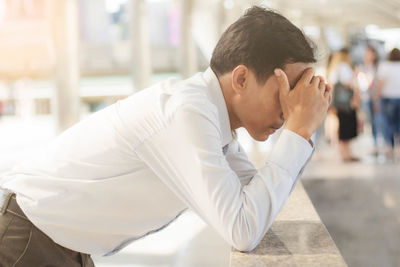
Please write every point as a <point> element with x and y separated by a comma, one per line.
<point>88,190</point>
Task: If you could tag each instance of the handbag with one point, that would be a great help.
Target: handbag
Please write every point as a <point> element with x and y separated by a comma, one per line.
<point>342,96</point>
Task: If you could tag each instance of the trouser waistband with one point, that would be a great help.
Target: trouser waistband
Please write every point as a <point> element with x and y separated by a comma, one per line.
<point>8,203</point>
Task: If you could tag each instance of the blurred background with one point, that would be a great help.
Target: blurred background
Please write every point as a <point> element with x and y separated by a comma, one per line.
<point>61,60</point>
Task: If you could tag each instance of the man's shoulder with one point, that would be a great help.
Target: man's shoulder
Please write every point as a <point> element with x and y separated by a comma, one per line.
<point>189,94</point>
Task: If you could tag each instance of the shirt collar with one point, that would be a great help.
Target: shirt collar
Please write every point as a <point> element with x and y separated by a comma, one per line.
<point>219,101</point>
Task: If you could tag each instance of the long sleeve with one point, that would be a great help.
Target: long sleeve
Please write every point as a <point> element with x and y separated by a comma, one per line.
<point>239,162</point>
<point>244,169</point>
<point>187,156</point>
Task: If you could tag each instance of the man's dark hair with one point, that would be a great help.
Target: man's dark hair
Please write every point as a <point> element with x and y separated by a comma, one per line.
<point>262,40</point>
<point>394,55</point>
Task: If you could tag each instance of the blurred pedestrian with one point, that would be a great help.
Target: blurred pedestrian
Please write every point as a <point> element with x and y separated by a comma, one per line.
<point>367,78</point>
<point>345,102</point>
<point>389,90</point>
<point>331,123</point>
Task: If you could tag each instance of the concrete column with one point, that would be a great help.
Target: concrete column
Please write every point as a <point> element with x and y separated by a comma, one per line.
<point>189,55</point>
<point>66,104</point>
<point>140,44</point>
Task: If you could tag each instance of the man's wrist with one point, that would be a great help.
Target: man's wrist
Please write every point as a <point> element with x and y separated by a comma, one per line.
<point>303,132</point>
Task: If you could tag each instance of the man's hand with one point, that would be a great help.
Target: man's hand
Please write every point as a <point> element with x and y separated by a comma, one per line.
<point>305,107</point>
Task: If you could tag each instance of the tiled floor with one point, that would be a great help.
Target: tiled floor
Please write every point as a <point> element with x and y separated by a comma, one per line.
<point>359,203</point>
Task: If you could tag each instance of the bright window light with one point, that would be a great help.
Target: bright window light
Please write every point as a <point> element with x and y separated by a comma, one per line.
<point>112,6</point>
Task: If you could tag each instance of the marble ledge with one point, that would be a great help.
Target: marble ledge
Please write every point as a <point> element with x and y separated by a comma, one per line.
<point>296,238</point>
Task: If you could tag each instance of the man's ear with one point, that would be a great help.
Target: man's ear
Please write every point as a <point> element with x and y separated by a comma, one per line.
<point>240,76</point>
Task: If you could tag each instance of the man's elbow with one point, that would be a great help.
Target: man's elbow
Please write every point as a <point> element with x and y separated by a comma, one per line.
<point>245,234</point>
<point>245,244</point>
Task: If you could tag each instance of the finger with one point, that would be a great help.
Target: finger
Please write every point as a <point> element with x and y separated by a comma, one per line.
<point>307,76</point>
<point>283,82</point>
<point>282,79</point>
<point>322,84</point>
<point>328,96</point>
<point>322,87</point>
<point>328,87</point>
<point>315,81</point>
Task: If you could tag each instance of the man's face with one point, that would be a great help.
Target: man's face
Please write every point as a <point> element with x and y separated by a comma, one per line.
<point>260,110</point>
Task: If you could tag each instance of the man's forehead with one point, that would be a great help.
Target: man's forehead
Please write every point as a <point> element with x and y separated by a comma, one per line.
<point>294,71</point>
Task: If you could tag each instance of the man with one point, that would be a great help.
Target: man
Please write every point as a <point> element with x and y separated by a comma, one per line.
<point>133,167</point>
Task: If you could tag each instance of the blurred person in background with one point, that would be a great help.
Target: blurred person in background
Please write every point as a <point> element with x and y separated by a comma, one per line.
<point>331,123</point>
<point>389,91</point>
<point>367,77</point>
<point>130,169</point>
<point>345,101</point>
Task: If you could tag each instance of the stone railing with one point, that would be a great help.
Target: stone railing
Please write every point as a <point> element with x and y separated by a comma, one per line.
<point>296,238</point>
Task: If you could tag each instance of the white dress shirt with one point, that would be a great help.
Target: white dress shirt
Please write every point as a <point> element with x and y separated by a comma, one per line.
<point>343,74</point>
<point>131,168</point>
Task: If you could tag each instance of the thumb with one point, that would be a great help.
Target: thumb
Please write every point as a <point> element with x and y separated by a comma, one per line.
<point>284,86</point>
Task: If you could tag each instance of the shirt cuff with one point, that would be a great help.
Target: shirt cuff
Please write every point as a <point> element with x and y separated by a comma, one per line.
<point>291,152</point>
